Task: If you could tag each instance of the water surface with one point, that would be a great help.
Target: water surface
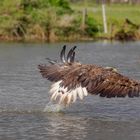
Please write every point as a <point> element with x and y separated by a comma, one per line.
<point>24,95</point>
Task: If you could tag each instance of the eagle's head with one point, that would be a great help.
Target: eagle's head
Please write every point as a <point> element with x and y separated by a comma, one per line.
<point>111,69</point>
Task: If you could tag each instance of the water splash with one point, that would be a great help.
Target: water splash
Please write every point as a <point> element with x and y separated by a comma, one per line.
<point>51,107</point>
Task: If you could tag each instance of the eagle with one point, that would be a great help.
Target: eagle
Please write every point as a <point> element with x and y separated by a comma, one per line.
<point>73,80</point>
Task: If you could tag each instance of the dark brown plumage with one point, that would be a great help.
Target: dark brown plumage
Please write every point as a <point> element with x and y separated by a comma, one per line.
<point>72,79</point>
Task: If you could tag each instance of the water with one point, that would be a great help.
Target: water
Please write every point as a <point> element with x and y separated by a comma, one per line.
<point>25,110</point>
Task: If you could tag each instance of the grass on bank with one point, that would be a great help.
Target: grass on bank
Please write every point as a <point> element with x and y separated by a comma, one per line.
<point>41,20</point>
<point>116,15</point>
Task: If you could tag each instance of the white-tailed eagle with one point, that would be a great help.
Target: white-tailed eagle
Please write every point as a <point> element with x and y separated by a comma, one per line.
<point>72,80</point>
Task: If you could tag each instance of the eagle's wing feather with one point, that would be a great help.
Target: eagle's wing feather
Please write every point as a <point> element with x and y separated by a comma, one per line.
<point>75,79</point>
<point>98,80</point>
<point>53,72</point>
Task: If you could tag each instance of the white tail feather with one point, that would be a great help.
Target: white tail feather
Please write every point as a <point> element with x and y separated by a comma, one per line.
<point>58,94</point>
<point>69,98</point>
<point>66,97</point>
<point>53,95</point>
<point>85,91</point>
<point>62,98</point>
<point>80,93</point>
<point>74,93</point>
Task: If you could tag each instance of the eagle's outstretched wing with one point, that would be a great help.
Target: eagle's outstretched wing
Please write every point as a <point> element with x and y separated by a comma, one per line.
<point>72,79</point>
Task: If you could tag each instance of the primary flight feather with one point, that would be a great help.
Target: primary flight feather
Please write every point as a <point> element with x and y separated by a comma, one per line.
<point>72,80</point>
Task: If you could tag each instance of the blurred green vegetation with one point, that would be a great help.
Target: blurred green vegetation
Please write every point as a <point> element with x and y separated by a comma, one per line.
<point>56,20</point>
<point>116,19</point>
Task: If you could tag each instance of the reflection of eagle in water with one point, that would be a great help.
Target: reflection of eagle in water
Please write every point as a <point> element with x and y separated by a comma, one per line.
<point>73,79</point>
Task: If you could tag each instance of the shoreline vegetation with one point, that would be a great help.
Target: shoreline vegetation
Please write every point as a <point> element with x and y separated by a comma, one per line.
<point>60,20</point>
